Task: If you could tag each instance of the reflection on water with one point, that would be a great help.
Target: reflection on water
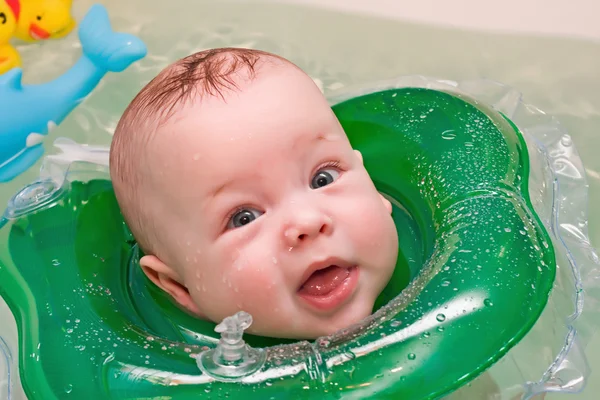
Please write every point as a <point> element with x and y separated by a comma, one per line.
<point>559,76</point>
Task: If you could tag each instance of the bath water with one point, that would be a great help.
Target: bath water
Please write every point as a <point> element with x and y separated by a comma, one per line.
<point>558,75</point>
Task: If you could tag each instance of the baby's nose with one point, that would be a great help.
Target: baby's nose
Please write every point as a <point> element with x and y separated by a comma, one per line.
<point>307,226</point>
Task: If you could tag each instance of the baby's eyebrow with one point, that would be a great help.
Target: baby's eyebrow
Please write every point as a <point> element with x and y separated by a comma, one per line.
<point>321,137</point>
<point>221,188</point>
<point>318,138</point>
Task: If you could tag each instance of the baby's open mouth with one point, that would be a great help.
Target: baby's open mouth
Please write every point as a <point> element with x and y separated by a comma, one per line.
<point>330,285</point>
<point>324,281</point>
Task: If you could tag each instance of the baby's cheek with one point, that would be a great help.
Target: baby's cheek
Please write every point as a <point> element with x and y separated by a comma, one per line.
<point>367,220</point>
<point>266,298</point>
<point>253,269</point>
<point>254,286</point>
<point>258,287</point>
<point>243,278</point>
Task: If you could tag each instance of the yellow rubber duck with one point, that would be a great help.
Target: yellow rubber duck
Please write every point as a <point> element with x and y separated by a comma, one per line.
<point>9,57</point>
<point>43,19</point>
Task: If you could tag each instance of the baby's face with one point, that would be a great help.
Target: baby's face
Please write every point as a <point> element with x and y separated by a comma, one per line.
<point>271,211</point>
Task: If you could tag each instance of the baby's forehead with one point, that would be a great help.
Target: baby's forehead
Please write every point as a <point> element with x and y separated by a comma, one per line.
<point>206,151</point>
<point>273,102</point>
<point>229,134</point>
<point>273,112</point>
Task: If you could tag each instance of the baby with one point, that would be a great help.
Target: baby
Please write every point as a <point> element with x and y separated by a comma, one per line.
<point>244,193</point>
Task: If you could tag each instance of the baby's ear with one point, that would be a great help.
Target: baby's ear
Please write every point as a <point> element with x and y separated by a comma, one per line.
<point>386,203</point>
<point>359,155</point>
<point>168,280</point>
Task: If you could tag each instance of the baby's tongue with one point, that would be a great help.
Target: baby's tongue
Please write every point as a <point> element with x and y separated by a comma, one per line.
<point>324,281</point>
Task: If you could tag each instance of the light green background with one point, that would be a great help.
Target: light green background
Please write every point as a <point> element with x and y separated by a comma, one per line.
<point>560,76</point>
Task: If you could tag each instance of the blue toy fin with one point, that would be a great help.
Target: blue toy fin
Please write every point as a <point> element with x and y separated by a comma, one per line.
<point>107,49</point>
<point>12,78</point>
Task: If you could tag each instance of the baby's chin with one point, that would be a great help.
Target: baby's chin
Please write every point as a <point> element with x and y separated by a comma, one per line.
<point>299,334</point>
<point>312,327</point>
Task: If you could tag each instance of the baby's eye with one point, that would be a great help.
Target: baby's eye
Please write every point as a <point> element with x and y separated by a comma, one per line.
<point>243,217</point>
<point>324,177</point>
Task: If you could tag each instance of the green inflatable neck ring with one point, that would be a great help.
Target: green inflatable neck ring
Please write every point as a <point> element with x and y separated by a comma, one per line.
<point>480,265</point>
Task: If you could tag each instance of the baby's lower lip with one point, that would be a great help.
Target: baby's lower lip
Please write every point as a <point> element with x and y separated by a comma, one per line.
<point>335,297</point>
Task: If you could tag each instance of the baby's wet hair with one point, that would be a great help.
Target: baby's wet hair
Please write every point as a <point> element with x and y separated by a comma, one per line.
<point>213,72</point>
<point>210,72</point>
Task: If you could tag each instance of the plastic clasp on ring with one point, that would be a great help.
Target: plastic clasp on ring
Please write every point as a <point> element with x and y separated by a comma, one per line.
<point>33,197</point>
<point>53,182</point>
<point>232,359</point>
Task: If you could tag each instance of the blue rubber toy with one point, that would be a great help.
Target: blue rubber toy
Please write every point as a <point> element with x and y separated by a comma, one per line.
<point>29,112</point>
